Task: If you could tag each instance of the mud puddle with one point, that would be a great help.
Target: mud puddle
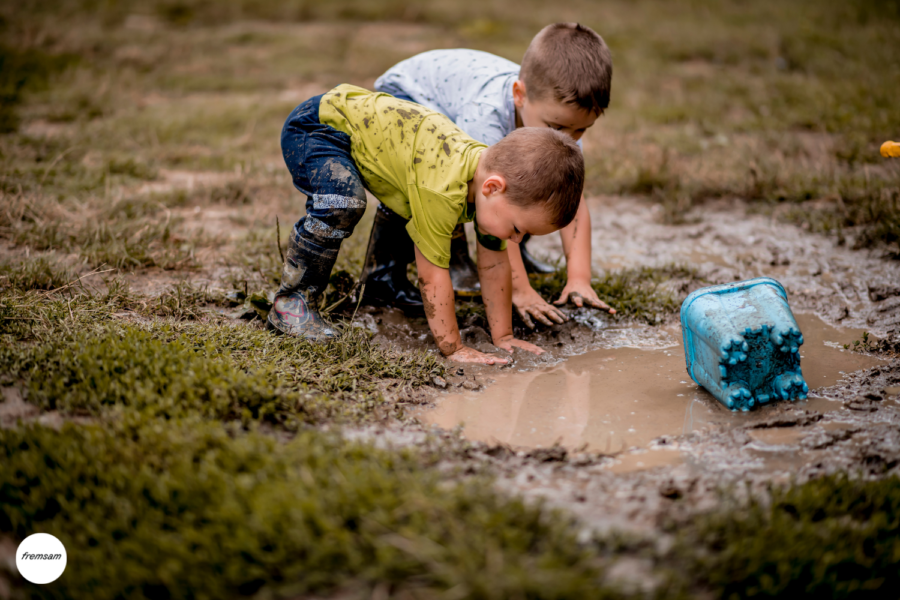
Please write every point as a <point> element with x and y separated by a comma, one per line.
<point>620,398</point>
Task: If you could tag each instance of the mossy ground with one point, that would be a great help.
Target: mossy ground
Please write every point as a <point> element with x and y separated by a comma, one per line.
<point>141,180</point>
<point>834,538</point>
<point>157,509</point>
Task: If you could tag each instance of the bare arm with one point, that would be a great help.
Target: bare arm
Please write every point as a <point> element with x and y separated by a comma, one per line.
<point>496,289</point>
<point>440,310</point>
<point>528,303</point>
<point>576,241</point>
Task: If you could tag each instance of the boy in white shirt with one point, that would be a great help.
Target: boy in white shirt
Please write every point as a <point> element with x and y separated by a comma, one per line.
<point>564,83</point>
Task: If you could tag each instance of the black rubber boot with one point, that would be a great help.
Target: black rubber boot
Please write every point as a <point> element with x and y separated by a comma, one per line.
<point>304,277</point>
<point>463,272</point>
<point>533,265</point>
<point>384,271</point>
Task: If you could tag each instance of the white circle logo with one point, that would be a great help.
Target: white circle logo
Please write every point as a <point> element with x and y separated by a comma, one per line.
<point>41,558</point>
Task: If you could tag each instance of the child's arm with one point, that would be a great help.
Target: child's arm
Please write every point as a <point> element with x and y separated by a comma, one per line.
<point>440,309</point>
<point>576,239</point>
<point>496,290</point>
<point>529,304</point>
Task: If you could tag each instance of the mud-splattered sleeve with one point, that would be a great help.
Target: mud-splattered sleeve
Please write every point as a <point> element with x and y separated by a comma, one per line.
<point>434,217</point>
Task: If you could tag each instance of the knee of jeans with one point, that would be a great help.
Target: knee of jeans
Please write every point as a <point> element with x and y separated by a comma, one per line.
<point>346,219</point>
<point>333,216</point>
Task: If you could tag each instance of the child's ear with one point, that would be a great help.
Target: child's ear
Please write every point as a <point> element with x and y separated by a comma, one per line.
<point>493,184</point>
<point>519,93</point>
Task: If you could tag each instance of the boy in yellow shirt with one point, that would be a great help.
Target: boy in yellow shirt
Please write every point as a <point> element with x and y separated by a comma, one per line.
<point>431,175</point>
<point>564,83</point>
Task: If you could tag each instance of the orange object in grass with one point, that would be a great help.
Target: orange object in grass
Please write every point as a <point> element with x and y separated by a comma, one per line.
<point>890,149</point>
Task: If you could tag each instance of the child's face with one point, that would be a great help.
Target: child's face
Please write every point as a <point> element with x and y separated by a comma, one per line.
<point>571,120</point>
<point>499,217</point>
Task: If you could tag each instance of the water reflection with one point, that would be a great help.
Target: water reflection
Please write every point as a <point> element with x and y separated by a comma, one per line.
<point>623,397</point>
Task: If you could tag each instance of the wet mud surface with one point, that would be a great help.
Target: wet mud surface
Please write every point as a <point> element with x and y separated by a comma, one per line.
<point>726,242</point>
<point>608,425</point>
<point>623,397</point>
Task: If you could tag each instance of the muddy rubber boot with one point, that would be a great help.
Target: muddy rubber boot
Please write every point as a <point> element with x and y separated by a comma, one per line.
<point>389,253</point>
<point>533,265</point>
<point>463,272</point>
<point>304,277</point>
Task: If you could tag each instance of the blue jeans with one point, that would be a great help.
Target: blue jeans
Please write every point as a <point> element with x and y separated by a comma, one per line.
<point>318,157</point>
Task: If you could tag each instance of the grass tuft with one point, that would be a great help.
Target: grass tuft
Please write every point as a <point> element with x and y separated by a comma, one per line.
<point>157,508</point>
<point>39,273</point>
<point>81,357</point>
<point>130,369</point>
<point>21,71</point>
<point>130,234</point>
<point>637,293</point>
<point>833,537</point>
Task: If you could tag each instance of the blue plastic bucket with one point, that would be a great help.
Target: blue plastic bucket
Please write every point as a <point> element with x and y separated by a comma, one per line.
<point>742,343</point>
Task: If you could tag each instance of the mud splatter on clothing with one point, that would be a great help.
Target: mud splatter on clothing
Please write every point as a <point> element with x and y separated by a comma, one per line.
<point>418,172</point>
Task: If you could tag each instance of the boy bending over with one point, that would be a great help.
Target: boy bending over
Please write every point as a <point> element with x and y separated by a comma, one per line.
<point>564,83</point>
<point>432,176</point>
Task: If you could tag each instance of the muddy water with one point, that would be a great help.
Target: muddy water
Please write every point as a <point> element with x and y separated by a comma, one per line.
<point>621,397</point>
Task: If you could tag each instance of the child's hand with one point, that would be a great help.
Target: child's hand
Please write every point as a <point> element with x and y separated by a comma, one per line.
<point>471,355</point>
<point>529,304</point>
<point>507,343</point>
<point>581,293</point>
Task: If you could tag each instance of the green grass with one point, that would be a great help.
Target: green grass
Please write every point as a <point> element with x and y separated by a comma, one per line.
<point>833,537</point>
<point>180,466</point>
<point>174,477</point>
<point>38,273</point>
<point>779,102</point>
<point>130,369</point>
<point>76,354</point>
<point>869,344</point>
<point>183,302</point>
<point>22,71</point>
<point>870,209</point>
<point>134,232</point>
<point>197,510</point>
<point>635,293</point>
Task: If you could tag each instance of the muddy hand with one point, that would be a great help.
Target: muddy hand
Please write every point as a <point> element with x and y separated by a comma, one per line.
<point>581,294</point>
<point>530,305</point>
<point>471,355</point>
<point>509,342</point>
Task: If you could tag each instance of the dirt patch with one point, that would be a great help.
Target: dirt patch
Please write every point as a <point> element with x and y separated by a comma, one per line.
<point>684,447</point>
<point>623,397</point>
<point>14,409</point>
<point>170,180</point>
<point>726,242</point>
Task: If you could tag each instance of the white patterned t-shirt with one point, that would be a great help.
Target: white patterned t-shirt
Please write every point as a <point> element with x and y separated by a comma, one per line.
<point>471,87</point>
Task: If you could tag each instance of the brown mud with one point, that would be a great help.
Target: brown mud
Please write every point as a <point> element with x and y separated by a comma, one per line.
<point>619,398</point>
<point>726,242</point>
<point>618,448</point>
<point>683,446</point>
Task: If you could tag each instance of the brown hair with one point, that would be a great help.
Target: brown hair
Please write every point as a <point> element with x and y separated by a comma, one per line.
<point>571,62</point>
<point>540,166</point>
